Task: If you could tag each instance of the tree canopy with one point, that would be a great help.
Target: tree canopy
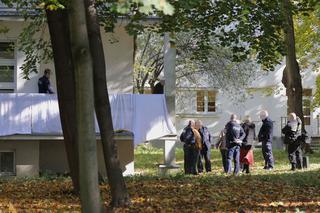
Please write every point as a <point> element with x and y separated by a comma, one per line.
<point>249,28</point>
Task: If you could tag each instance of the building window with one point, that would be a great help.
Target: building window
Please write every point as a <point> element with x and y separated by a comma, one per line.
<point>306,101</point>
<point>200,101</point>
<point>6,73</point>
<point>7,163</point>
<point>7,66</point>
<point>206,101</point>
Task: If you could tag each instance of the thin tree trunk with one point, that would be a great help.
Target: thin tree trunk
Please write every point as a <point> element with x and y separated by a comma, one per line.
<point>291,75</point>
<point>59,33</point>
<point>88,162</point>
<point>119,193</point>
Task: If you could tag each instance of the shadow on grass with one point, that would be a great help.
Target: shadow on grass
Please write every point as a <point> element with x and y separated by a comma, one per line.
<point>277,190</point>
<point>216,192</point>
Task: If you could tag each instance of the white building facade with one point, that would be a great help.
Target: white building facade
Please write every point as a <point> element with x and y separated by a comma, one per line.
<point>214,107</point>
<point>29,155</point>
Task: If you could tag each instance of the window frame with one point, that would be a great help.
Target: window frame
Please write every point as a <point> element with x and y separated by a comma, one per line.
<point>14,163</point>
<point>206,101</point>
<point>9,62</point>
<point>308,97</point>
<point>200,104</point>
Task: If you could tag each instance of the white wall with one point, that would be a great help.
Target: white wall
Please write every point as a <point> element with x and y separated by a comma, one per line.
<point>118,47</point>
<point>119,60</point>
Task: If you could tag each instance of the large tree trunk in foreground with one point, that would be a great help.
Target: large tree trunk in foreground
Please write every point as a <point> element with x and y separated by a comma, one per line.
<point>291,75</point>
<point>118,188</point>
<point>88,163</point>
<point>59,33</point>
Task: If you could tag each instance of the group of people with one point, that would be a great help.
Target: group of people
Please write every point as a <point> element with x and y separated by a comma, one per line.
<point>236,143</point>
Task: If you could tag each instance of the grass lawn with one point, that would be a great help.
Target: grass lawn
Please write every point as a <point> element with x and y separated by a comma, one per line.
<point>147,159</point>
<point>279,190</point>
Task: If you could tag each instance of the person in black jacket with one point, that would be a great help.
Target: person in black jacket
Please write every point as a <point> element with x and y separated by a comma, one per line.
<point>159,87</point>
<point>221,144</point>
<point>265,137</point>
<point>206,147</point>
<point>234,137</point>
<point>292,137</point>
<point>44,85</point>
<point>191,153</point>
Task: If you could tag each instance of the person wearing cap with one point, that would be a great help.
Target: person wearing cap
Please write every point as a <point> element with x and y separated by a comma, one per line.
<point>265,137</point>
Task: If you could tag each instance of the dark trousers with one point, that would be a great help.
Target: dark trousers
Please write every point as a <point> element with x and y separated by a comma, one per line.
<point>233,154</point>
<point>295,155</point>
<point>205,154</point>
<point>267,155</point>
<point>224,159</point>
<point>191,155</point>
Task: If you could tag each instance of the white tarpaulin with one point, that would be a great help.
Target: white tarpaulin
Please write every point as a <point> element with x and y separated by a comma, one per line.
<point>145,116</point>
<point>15,114</point>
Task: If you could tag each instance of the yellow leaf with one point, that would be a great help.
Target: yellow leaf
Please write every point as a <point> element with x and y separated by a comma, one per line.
<point>12,209</point>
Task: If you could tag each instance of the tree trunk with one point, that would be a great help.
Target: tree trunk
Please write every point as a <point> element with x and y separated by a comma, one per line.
<point>59,33</point>
<point>88,163</point>
<point>118,188</point>
<point>291,75</point>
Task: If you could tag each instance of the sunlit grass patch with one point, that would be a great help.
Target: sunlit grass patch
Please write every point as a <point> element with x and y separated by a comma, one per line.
<point>147,159</point>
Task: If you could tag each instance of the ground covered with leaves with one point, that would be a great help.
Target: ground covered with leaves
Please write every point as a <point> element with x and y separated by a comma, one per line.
<point>261,191</point>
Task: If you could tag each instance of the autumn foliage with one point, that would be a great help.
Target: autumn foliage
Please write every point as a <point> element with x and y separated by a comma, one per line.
<point>262,191</point>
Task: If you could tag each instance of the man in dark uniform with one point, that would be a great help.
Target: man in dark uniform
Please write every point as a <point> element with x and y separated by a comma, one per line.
<point>44,83</point>
<point>159,87</point>
<point>234,137</point>
<point>206,147</point>
<point>293,137</point>
<point>191,154</point>
<point>265,137</point>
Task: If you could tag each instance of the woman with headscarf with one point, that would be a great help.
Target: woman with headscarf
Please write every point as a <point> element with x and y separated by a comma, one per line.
<point>292,137</point>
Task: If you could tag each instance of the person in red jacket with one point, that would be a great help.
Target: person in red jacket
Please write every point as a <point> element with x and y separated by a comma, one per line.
<point>246,151</point>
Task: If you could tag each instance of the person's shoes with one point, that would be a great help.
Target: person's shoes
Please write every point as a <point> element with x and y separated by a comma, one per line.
<point>293,167</point>
<point>269,168</point>
<point>265,167</point>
